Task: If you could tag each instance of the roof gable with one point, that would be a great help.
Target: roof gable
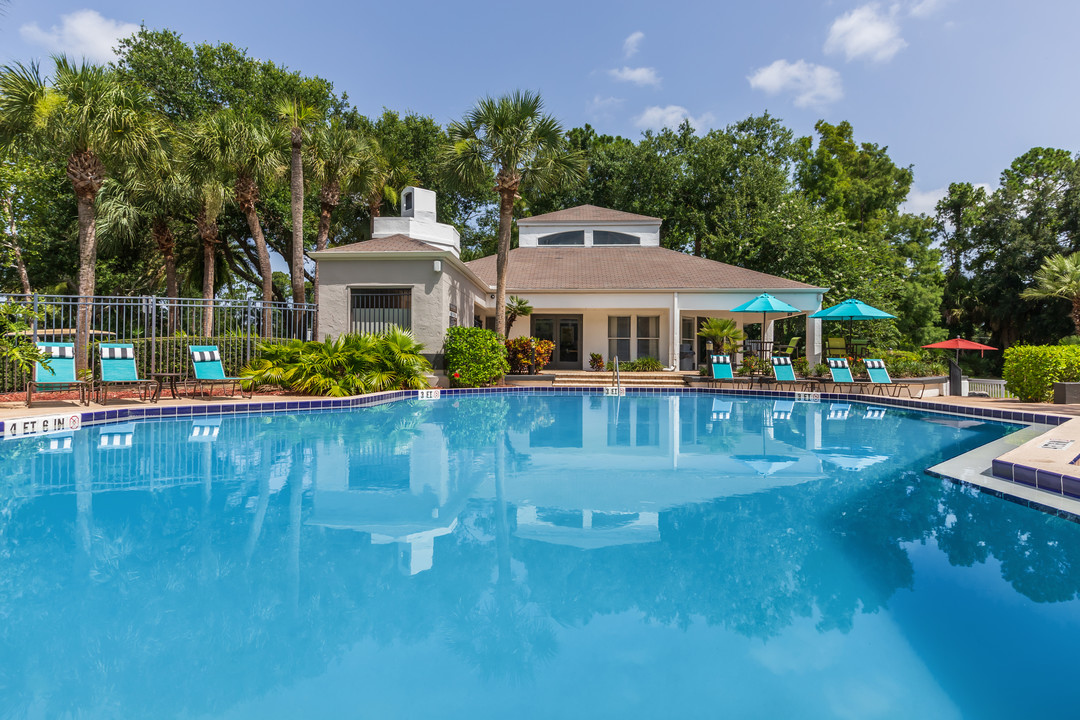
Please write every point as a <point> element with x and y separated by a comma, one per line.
<point>588,214</point>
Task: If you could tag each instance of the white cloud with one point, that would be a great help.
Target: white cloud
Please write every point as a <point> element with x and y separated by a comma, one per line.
<point>671,116</point>
<point>923,8</point>
<point>921,202</point>
<point>866,32</point>
<point>83,33</point>
<point>811,84</point>
<point>639,76</point>
<point>633,42</point>
<point>601,108</point>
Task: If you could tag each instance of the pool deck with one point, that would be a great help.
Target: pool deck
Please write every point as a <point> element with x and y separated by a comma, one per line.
<point>1043,470</point>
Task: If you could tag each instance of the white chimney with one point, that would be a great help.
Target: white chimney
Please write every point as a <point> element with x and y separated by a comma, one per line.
<point>418,221</point>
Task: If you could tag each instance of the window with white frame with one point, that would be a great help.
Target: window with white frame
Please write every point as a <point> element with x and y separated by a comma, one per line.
<point>619,337</point>
<point>648,336</point>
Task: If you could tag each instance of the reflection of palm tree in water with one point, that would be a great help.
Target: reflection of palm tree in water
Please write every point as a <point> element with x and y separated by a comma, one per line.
<point>503,635</point>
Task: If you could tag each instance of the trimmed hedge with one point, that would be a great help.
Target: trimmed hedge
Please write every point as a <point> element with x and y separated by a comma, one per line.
<point>474,357</point>
<point>1031,370</point>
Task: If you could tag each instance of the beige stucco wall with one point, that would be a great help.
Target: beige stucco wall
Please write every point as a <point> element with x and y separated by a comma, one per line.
<point>432,293</point>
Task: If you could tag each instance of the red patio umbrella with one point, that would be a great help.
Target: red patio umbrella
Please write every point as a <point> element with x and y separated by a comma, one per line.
<point>959,344</point>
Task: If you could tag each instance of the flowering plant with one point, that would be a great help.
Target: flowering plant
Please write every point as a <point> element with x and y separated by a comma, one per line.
<point>519,352</point>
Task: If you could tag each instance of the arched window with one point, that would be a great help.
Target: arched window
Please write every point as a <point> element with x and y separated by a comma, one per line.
<point>609,237</point>
<point>571,237</point>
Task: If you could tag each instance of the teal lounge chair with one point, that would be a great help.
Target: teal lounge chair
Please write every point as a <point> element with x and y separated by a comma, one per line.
<point>841,372</point>
<point>721,369</point>
<point>880,380</point>
<point>206,359</point>
<point>784,373</point>
<point>60,375</point>
<point>118,370</point>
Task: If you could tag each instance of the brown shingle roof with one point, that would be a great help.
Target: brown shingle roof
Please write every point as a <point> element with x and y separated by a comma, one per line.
<point>588,213</point>
<point>390,243</point>
<point>622,268</point>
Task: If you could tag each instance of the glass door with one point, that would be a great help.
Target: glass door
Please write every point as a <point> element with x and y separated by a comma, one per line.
<point>569,345</point>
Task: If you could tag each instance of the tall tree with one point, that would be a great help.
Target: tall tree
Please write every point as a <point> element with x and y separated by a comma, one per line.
<point>342,162</point>
<point>513,139</point>
<point>89,117</point>
<point>298,119</point>
<point>1059,277</point>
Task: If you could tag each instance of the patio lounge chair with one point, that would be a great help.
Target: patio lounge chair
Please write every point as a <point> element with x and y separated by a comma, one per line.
<point>206,359</point>
<point>784,373</point>
<point>118,370</point>
<point>880,381</point>
<point>721,369</point>
<point>841,372</point>
<point>59,376</point>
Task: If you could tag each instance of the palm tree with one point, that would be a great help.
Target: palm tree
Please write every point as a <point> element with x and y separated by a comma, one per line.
<point>390,173</point>
<point>723,333</point>
<point>297,117</point>
<point>516,307</point>
<point>89,117</point>
<point>524,148</point>
<point>1059,277</point>
<point>342,161</point>
<point>248,147</point>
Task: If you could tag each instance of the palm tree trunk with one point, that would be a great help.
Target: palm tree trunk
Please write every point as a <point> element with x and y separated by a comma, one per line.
<point>86,173</point>
<point>296,188</point>
<point>506,217</point>
<point>208,232</point>
<point>1076,313</point>
<point>166,243</point>
<point>329,197</point>
<point>247,192</point>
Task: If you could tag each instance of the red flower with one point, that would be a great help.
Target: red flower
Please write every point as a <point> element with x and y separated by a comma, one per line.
<point>457,375</point>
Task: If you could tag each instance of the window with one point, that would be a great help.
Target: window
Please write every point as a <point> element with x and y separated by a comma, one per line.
<point>572,237</point>
<point>648,336</point>
<point>375,310</point>
<point>609,237</point>
<point>618,336</point>
<point>408,201</point>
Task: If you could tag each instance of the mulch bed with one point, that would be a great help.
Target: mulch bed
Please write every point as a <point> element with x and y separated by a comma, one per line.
<point>129,395</point>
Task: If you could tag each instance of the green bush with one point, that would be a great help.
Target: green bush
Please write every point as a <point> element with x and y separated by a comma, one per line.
<point>645,364</point>
<point>474,357</point>
<point>519,353</point>
<point>1031,370</point>
<point>596,361</point>
<point>1070,340</point>
<point>347,365</point>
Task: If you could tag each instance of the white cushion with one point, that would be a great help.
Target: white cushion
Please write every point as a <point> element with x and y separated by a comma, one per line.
<point>117,353</point>
<point>206,356</point>
<point>781,360</point>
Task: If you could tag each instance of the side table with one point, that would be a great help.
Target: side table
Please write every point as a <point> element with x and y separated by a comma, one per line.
<point>162,378</point>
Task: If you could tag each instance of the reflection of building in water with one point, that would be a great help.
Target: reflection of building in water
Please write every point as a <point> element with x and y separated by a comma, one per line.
<point>384,488</point>
<point>586,529</point>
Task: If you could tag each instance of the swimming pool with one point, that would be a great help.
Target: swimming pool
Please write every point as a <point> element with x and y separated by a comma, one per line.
<point>531,556</point>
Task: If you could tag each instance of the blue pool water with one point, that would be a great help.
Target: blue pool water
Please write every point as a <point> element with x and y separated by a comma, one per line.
<point>529,556</point>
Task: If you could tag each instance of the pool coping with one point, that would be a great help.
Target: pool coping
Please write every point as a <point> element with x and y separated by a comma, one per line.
<point>1015,468</point>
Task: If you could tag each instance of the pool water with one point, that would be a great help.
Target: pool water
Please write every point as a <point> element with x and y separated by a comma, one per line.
<point>529,556</point>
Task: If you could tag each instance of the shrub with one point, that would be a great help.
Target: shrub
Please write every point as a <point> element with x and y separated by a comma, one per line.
<point>347,365</point>
<point>645,364</point>
<point>752,364</point>
<point>1070,340</point>
<point>596,361</point>
<point>519,353</point>
<point>474,357</point>
<point>801,365</point>
<point>1031,370</point>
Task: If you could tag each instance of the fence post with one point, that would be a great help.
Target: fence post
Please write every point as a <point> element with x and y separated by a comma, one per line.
<point>247,333</point>
<point>153,333</point>
<point>33,322</point>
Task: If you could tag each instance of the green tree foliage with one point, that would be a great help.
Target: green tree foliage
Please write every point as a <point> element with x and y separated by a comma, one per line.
<point>1059,277</point>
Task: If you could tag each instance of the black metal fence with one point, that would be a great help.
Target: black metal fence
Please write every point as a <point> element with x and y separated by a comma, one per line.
<point>161,329</point>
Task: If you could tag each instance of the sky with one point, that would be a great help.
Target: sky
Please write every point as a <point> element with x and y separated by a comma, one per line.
<point>955,88</point>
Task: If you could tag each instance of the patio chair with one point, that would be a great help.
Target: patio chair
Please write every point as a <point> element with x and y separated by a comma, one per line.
<point>60,375</point>
<point>784,373</point>
<point>118,370</point>
<point>835,347</point>
<point>721,370</point>
<point>880,381</point>
<point>206,359</point>
<point>791,350</point>
<point>841,372</point>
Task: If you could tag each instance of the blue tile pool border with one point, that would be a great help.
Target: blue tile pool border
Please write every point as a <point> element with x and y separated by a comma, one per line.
<point>1049,482</point>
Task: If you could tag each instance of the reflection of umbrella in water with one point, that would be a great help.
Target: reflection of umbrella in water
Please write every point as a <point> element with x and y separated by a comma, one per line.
<point>766,464</point>
<point>850,458</point>
<point>852,310</point>
<point>959,344</point>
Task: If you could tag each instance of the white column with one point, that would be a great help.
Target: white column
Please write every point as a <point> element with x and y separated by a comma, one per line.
<point>813,337</point>
<point>676,331</point>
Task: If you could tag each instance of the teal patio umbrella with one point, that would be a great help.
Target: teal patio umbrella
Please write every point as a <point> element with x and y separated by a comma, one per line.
<point>852,310</point>
<point>764,304</point>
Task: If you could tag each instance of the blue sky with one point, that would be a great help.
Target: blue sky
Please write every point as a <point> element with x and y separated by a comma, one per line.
<point>957,88</point>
